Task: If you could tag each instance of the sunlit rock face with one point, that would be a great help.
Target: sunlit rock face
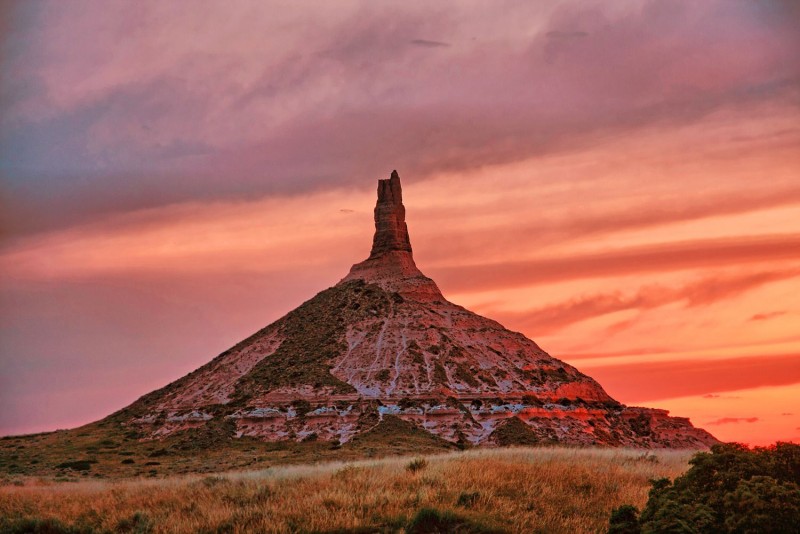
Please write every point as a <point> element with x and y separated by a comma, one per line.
<point>384,341</point>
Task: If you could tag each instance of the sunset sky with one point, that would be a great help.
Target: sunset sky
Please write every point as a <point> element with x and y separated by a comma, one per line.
<point>620,181</point>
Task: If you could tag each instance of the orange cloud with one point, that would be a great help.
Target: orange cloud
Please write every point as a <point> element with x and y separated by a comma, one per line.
<point>768,315</point>
<point>658,257</point>
<point>705,291</point>
<point>650,381</point>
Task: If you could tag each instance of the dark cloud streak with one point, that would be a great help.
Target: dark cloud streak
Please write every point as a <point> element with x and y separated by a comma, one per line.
<point>766,316</point>
<point>429,44</point>
<point>733,420</point>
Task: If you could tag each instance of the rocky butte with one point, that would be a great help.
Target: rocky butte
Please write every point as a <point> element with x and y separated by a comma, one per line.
<point>385,347</point>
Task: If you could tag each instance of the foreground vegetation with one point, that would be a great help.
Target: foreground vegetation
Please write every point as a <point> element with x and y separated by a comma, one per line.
<point>730,489</point>
<point>502,490</point>
<point>108,450</point>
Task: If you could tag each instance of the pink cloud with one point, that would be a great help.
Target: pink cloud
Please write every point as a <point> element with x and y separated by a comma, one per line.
<point>156,104</point>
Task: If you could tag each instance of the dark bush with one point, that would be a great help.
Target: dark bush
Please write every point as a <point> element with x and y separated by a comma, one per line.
<point>770,505</point>
<point>731,489</point>
<point>301,407</point>
<point>77,465</point>
<point>138,523</point>
<point>433,521</point>
<point>531,400</point>
<point>213,481</point>
<point>624,520</point>
<point>467,499</point>
<point>36,525</point>
<point>417,464</point>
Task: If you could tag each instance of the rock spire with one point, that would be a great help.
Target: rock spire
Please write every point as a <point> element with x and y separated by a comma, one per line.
<point>391,264</point>
<point>391,232</point>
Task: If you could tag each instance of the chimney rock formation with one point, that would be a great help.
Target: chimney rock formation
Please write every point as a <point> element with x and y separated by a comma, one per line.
<point>385,343</point>
<point>391,232</point>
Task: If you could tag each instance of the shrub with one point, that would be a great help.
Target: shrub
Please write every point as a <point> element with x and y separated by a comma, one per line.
<point>36,525</point>
<point>138,523</point>
<point>311,437</point>
<point>531,400</point>
<point>624,520</point>
<point>730,489</point>
<point>771,506</point>
<point>417,464</point>
<point>431,521</point>
<point>406,403</point>
<point>467,499</point>
<point>301,407</point>
<point>77,465</point>
<point>213,481</point>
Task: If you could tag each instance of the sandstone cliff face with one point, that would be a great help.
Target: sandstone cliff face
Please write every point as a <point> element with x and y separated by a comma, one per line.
<point>384,341</point>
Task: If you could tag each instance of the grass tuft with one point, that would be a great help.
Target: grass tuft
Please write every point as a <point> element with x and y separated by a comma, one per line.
<point>417,464</point>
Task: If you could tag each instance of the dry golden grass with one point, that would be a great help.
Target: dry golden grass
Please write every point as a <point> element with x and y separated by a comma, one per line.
<point>515,490</point>
<point>108,450</point>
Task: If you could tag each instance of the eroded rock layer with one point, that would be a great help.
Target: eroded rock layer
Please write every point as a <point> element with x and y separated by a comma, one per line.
<point>384,341</point>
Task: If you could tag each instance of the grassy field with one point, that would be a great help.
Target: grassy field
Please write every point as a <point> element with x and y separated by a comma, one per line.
<point>487,490</point>
<point>104,450</point>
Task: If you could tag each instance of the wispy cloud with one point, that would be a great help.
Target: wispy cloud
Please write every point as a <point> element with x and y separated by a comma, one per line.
<point>698,293</point>
<point>768,315</point>
<point>559,226</point>
<point>429,44</point>
<point>733,420</point>
<point>650,258</point>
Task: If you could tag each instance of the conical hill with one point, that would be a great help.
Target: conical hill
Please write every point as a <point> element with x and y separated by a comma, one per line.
<point>384,346</point>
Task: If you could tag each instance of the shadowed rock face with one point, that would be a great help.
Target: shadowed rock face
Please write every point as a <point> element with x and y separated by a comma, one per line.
<point>385,342</point>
